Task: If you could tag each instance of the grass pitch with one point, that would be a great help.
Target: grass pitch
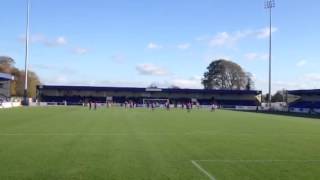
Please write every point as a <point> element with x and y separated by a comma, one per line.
<point>75,143</point>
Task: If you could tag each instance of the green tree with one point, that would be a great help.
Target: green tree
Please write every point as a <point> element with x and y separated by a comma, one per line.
<point>223,74</point>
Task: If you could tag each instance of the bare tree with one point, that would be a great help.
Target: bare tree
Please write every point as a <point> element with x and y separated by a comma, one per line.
<point>7,65</point>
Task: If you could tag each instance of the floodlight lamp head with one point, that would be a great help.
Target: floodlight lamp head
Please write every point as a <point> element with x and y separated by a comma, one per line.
<point>269,4</point>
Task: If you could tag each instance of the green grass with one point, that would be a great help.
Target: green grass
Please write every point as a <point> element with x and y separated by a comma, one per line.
<point>74,143</point>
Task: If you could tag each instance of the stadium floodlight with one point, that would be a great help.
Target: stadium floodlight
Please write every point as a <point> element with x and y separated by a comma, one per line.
<point>25,93</point>
<point>270,4</point>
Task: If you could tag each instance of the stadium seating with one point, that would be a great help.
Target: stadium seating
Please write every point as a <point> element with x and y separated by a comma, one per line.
<point>308,99</point>
<point>305,104</point>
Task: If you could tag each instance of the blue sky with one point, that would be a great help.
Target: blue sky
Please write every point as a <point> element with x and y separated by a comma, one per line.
<point>136,43</point>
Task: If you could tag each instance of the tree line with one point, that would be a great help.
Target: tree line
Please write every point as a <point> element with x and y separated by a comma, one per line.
<point>7,65</point>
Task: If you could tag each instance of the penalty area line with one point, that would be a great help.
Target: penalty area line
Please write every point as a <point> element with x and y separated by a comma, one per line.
<point>199,167</point>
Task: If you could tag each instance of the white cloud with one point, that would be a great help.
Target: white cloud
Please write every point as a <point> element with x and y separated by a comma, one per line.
<point>55,68</point>
<point>154,46</point>
<point>151,69</point>
<point>184,46</point>
<point>228,39</point>
<point>42,66</point>
<point>59,79</point>
<point>265,32</point>
<point>73,81</point>
<point>42,39</point>
<point>301,63</point>
<point>80,51</point>
<point>222,39</point>
<point>34,38</point>
<point>210,58</point>
<point>307,81</point>
<point>279,85</point>
<point>256,56</point>
<point>304,81</point>
<point>191,83</point>
<point>65,79</point>
<point>312,77</point>
<point>251,56</point>
<point>61,41</point>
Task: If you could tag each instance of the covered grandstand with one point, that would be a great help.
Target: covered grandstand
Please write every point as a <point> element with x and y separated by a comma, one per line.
<point>305,101</point>
<point>77,95</point>
<point>5,86</point>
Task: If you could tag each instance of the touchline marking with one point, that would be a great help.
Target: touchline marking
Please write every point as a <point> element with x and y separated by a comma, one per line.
<point>258,161</point>
<point>202,170</point>
<point>144,134</point>
<point>95,134</point>
<point>103,134</point>
<point>78,134</point>
<point>198,166</point>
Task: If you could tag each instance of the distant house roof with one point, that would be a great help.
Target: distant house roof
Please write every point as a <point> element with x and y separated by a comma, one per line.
<point>6,77</point>
<point>305,92</point>
<point>135,89</point>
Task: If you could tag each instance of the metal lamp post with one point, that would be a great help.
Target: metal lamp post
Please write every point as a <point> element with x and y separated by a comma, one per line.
<point>269,5</point>
<point>25,93</point>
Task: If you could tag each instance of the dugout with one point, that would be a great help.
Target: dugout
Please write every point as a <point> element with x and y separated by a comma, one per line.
<point>304,101</point>
<point>74,95</point>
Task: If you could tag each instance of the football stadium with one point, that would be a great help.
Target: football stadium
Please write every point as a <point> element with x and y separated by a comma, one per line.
<point>119,110</point>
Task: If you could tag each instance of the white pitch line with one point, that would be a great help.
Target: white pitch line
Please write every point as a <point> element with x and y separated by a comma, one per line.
<point>102,134</point>
<point>90,134</point>
<point>245,161</point>
<point>140,133</point>
<point>258,161</point>
<point>202,170</point>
